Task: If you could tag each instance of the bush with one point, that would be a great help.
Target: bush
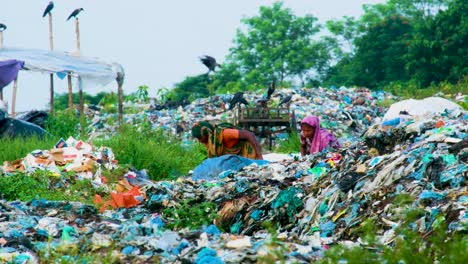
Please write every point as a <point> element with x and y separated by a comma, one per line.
<point>63,124</point>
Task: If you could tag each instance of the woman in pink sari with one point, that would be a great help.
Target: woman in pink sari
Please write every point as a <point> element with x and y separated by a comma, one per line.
<point>315,139</point>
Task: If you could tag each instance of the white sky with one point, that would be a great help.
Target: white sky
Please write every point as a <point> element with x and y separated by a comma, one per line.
<point>157,42</point>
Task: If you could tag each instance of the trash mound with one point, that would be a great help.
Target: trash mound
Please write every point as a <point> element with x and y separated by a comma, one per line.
<point>348,111</point>
<point>312,202</point>
<point>37,117</point>
<point>18,128</point>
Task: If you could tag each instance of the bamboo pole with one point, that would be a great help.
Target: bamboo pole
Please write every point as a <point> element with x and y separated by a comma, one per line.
<point>51,36</point>
<point>70,92</point>
<point>51,76</point>
<point>1,46</point>
<point>51,101</point>
<point>13,98</point>
<point>80,92</point>
<point>120,95</point>
<point>77,31</point>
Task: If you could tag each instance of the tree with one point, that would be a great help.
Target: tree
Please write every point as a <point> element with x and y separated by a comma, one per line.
<point>191,88</point>
<point>277,45</point>
<point>397,41</point>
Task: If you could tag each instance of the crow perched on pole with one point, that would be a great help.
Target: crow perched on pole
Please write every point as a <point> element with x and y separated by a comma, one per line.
<point>2,27</point>
<point>209,62</point>
<point>49,8</point>
<point>75,13</point>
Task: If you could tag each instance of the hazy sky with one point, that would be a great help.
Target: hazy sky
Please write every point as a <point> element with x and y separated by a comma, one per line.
<point>157,42</point>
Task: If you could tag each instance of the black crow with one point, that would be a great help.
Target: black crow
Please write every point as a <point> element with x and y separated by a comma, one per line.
<point>285,100</point>
<point>209,62</point>
<point>75,13</point>
<point>237,98</point>
<point>271,89</point>
<point>49,8</point>
<point>2,27</point>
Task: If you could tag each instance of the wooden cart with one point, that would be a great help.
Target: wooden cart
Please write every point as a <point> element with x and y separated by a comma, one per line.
<point>265,122</point>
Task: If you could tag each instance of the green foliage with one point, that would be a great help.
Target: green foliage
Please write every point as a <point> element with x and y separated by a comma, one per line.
<point>190,214</point>
<point>411,89</point>
<point>228,79</point>
<point>276,45</point>
<point>63,124</point>
<point>402,41</point>
<point>291,145</point>
<point>61,100</point>
<point>154,150</point>
<point>109,102</point>
<point>192,88</point>
<point>17,148</point>
<point>140,96</point>
<point>165,94</point>
<point>46,185</point>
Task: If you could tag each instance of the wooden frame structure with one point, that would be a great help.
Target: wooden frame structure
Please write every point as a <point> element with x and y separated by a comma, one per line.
<point>264,122</point>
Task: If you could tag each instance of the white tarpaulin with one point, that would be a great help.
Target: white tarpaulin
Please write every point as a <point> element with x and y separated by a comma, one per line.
<point>422,107</point>
<point>92,73</point>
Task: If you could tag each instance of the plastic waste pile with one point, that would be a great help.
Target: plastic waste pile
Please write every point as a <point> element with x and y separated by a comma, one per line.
<point>313,202</point>
<point>348,111</point>
<point>24,126</point>
<point>67,155</point>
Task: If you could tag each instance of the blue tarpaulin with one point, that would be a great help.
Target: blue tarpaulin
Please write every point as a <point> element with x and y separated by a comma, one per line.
<point>210,168</point>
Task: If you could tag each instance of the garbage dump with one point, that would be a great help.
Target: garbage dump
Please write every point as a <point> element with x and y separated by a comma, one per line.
<point>313,202</point>
<point>13,128</point>
<point>347,111</point>
<point>37,117</point>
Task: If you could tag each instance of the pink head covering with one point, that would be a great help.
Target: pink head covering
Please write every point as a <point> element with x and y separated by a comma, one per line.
<point>322,138</point>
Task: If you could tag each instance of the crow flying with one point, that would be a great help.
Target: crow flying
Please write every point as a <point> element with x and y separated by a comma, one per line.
<point>75,13</point>
<point>237,98</point>
<point>271,89</point>
<point>209,62</point>
<point>2,27</point>
<point>49,8</point>
<point>285,100</point>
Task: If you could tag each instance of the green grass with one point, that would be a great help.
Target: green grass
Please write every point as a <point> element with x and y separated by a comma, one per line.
<point>155,150</point>
<point>291,145</point>
<point>45,185</point>
<point>18,148</point>
<point>188,214</point>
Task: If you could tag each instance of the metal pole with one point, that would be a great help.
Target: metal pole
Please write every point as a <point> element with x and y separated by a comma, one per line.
<point>1,39</point>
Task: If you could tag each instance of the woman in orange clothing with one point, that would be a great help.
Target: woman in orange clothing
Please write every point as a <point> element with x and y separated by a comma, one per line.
<point>221,140</point>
